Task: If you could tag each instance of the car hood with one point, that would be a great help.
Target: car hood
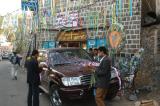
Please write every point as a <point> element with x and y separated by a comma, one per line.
<point>75,69</point>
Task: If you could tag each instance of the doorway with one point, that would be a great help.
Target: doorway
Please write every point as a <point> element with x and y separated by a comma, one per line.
<point>70,44</point>
<point>74,44</point>
<point>78,44</point>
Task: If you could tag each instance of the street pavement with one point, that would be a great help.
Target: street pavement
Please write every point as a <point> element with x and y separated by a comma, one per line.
<point>14,92</point>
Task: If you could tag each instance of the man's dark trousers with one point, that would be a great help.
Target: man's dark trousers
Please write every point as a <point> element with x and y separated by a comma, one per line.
<point>33,95</point>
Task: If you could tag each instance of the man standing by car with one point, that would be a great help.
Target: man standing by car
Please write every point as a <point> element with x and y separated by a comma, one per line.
<point>103,74</point>
<point>33,79</point>
<point>91,53</point>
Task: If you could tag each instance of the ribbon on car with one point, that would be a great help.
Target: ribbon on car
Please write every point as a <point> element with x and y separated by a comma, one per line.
<point>93,80</point>
<point>92,83</point>
<point>119,79</point>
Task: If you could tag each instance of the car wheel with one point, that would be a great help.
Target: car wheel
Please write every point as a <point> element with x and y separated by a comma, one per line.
<point>54,96</point>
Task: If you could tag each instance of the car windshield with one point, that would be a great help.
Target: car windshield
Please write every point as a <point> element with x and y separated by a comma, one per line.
<point>61,57</point>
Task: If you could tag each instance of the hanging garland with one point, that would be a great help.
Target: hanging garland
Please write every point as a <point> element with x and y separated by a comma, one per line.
<point>53,7</point>
<point>116,34</point>
<point>130,7</point>
<point>115,39</point>
<point>92,20</point>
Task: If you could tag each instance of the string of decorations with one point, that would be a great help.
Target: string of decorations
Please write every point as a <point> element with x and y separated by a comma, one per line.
<point>92,18</point>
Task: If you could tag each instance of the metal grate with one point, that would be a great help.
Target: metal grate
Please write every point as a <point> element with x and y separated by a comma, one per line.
<point>86,79</point>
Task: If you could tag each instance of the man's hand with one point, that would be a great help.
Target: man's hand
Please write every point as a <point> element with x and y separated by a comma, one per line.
<point>42,64</point>
<point>89,68</point>
<point>93,69</point>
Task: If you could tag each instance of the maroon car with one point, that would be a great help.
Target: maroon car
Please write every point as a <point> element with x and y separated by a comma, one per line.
<point>67,76</point>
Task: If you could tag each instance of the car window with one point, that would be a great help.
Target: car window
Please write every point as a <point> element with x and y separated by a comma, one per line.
<point>57,58</point>
<point>81,54</point>
<point>68,56</point>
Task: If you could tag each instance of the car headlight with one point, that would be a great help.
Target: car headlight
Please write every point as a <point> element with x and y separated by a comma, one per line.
<point>71,81</point>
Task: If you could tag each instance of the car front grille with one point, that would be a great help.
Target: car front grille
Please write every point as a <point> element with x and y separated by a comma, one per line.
<point>86,79</point>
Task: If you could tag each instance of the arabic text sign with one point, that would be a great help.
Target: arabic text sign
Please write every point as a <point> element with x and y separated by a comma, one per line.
<point>67,20</point>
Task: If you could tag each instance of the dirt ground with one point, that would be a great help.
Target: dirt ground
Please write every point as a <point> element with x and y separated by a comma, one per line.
<point>155,95</point>
<point>123,100</point>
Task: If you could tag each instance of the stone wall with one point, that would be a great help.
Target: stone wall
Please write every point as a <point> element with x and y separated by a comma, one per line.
<point>132,24</point>
<point>150,66</point>
<point>148,5</point>
<point>157,7</point>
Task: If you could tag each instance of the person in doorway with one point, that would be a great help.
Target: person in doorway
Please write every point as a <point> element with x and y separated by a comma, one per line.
<point>15,65</point>
<point>33,79</point>
<point>103,75</point>
<point>91,53</point>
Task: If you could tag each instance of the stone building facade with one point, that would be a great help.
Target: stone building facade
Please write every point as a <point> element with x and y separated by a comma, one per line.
<point>150,65</point>
<point>101,11</point>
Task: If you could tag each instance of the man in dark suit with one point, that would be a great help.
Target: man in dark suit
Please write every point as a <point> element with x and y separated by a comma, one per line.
<point>33,79</point>
<point>103,74</point>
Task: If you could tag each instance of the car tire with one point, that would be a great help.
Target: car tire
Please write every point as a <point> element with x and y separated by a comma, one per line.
<point>112,91</point>
<point>54,96</point>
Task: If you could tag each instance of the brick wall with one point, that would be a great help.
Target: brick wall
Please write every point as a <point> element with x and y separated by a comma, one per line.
<point>45,35</point>
<point>132,24</point>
